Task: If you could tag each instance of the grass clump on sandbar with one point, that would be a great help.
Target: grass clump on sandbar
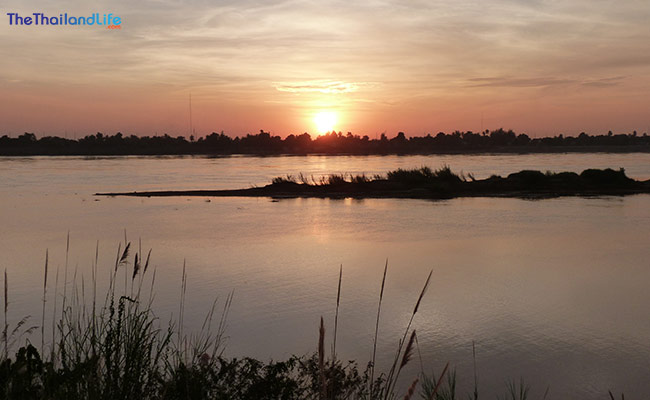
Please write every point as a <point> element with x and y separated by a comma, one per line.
<point>427,183</point>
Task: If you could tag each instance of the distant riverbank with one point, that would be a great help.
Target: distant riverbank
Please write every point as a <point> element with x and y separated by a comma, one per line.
<point>333,143</point>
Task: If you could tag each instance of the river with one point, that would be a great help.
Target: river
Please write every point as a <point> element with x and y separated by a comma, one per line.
<point>553,291</point>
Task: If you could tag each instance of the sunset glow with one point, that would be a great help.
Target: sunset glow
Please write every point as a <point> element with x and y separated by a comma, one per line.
<point>325,121</point>
<point>417,67</point>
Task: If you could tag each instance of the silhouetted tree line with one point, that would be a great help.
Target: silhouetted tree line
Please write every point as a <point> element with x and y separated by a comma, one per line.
<point>498,140</point>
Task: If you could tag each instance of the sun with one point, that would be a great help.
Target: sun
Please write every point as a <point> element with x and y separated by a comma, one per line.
<point>325,121</point>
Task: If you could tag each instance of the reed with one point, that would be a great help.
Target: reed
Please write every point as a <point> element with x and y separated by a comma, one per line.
<point>336,314</point>
<point>115,350</point>
<point>438,383</point>
<point>475,393</point>
<point>408,352</point>
<point>516,391</point>
<point>44,301</point>
<point>5,331</point>
<point>321,360</point>
<point>374,341</point>
<point>411,390</point>
<point>393,374</point>
<point>121,350</point>
<point>611,395</point>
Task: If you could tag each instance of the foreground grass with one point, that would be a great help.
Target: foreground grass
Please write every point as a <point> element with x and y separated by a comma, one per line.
<point>112,346</point>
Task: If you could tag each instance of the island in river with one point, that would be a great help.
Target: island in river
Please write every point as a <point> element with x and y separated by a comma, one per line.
<point>426,183</point>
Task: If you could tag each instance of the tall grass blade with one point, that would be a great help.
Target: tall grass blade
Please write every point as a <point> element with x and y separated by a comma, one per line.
<point>424,290</point>
<point>411,390</point>
<point>136,267</point>
<point>65,273</point>
<point>5,331</point>
<point>408,352</point>
<point>56,291</point>
<point>146,263</point>
<point>44,300</point>
<point>336,315</point>
<point>435,388</point>
<point>391,379</point>
<point>374,343</point>
<point>417,345</point>
<point>125,253</point>
<point>117,258</point>
<point>181,312</point>
<point>475,375</point>
<point>321,360</point>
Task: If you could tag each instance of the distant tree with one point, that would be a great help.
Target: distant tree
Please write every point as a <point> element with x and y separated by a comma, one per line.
<point>27,138</point>
<point>330,143</point>
<point>522,140</point>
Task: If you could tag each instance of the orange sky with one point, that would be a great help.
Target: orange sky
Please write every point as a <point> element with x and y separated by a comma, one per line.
<point>539,66</point>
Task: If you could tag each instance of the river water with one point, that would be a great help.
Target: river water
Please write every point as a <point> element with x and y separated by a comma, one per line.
<point>552,291</point>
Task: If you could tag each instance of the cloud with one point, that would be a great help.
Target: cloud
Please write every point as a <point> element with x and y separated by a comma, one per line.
<point>318,86</point>
<point>542,82</point>
<point>517,82</point>
<point>605,82</point>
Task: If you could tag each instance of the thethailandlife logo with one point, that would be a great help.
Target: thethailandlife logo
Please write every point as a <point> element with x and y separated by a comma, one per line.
<point>109,21</point>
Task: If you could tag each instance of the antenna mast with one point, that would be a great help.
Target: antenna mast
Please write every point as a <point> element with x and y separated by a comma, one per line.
<point>190,113</point>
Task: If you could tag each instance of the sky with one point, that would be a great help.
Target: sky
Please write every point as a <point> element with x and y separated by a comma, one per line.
<point>542,67</point>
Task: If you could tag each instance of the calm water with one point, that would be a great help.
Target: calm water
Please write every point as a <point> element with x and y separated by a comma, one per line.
<point>554,291</point>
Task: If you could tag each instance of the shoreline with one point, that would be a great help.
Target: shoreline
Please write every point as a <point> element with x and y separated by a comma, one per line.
<point>256,153</point>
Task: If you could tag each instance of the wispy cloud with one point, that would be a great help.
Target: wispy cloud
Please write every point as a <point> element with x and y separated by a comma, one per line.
<point>605,82</point>
<point>542,82</point>
<point>517,82</point>
<point>320,86</point>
